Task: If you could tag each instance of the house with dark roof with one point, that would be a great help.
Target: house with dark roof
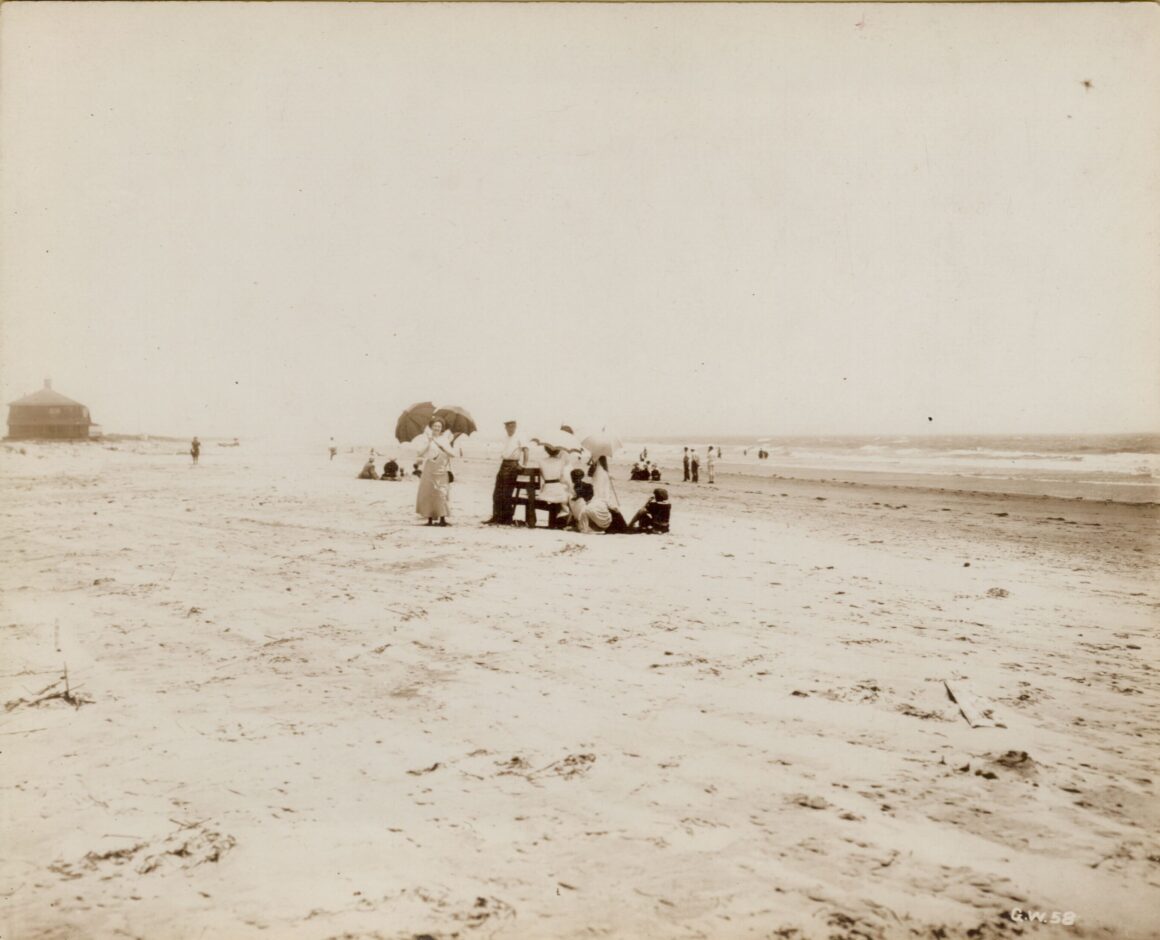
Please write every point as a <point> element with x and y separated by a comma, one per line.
<point>48,415</point>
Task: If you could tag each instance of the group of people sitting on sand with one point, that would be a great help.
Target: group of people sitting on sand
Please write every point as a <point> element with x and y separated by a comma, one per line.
<point>643,470</point>
<point>577,498</point>
<point>587,502</point>
<point>391,470</point>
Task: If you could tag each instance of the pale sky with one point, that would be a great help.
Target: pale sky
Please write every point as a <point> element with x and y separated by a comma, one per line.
<point>296,219</point>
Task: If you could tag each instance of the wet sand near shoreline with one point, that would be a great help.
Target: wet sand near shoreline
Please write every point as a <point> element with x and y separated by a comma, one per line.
<point>294,711</point>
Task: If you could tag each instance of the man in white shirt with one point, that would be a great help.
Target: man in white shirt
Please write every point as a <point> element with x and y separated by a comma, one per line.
<point>512,454</point>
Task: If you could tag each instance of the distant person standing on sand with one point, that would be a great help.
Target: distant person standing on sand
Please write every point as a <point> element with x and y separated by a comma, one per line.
<point>433,500</point>
<point>195,449</point>
<point>711,466</point>
<point>333,448</point>
<point>513,452</point>
<point>695,466</point>
<point>685,462</point>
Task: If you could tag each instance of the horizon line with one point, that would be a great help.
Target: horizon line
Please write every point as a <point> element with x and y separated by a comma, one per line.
<point>705,437</point>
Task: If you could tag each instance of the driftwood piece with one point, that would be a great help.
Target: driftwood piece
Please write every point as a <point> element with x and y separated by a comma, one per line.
<point>977,712</point>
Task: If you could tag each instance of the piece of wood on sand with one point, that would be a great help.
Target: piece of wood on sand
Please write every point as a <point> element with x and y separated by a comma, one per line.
<point>977,712</point>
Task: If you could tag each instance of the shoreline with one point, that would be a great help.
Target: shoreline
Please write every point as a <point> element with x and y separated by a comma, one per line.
<point>1147,494</point>
<point>1092,491</point>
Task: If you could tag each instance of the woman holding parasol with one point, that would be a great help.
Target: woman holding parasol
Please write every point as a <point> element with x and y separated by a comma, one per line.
<point>435,452</point>
<point>438,428</point>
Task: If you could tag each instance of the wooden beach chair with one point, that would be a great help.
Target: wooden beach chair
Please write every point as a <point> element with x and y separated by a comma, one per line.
<point>527,484</point>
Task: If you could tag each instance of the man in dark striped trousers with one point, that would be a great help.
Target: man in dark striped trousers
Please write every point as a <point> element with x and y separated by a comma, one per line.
<point>514,452</point>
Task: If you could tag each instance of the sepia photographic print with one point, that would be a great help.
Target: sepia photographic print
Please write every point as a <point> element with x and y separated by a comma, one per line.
<point>768,406</point>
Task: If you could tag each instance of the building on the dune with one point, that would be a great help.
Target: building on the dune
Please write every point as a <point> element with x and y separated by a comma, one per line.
<point>46,415</point>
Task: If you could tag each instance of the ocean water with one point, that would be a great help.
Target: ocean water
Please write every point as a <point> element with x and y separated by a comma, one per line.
<point>1130,462</point>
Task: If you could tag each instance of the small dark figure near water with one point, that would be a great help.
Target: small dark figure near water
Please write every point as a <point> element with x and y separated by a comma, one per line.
<point>195,449</point>
<point>685,464</point>
<point>333,449</point>
<point>390,470</point>
<point>695,467</point>
<point>655,474</point>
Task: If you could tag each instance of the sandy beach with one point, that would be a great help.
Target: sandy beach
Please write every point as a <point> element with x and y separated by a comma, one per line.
<point>293,711</point>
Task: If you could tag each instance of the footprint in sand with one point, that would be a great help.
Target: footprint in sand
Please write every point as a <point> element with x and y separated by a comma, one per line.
<point>186,847</point>
<point>574,765</point>
<point>912,712</point>
<point>808,802</point>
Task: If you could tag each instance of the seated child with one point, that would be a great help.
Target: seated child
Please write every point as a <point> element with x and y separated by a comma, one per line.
<point>654,515</point>
<point>582,494</point>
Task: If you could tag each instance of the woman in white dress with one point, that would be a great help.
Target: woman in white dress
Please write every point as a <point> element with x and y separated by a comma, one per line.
<point>435,451</point>
<point>555,484</point>
<point>603,511</point>
<point>602,483</point>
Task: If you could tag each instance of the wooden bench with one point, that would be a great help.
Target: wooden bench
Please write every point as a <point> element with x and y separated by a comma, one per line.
<point>524,490</point>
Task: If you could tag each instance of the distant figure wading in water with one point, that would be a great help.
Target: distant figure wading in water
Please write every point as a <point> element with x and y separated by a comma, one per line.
<point>195,449</point>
